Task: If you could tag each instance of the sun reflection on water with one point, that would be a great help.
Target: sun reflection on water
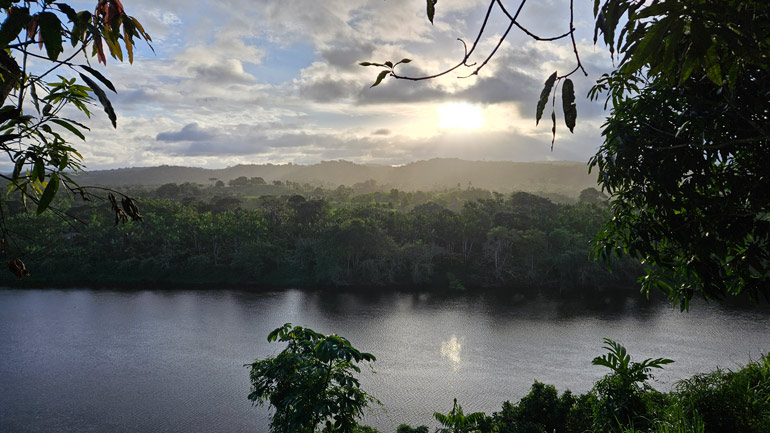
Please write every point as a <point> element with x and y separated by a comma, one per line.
<point>450,349</point>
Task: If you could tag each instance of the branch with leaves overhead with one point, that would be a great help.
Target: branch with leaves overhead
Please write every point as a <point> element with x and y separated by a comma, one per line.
<point>568,90</point>
<point>35,134</point>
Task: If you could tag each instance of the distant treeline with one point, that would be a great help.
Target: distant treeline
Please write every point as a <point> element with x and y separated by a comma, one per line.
<point>460,238</point>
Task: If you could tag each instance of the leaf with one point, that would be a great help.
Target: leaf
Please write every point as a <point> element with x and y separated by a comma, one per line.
<point>69,127</point>
<point>67,9</point>
<point>99,77</point>
<point>389,64</point>
<point>544,97</point>
<point>431,9</point>
<point>8,112</point>
<point>17,168</point>
<point>99,49</point>
<point>405,60</point>
<point>102,99</point>
<point>568,104</point>
<point>713,70</point>
<point>50,31</point>
<point>15,21</point>
<point>553,129</point>
<point>380,77</point>
<point>128,38</point>
<point>50,192</point>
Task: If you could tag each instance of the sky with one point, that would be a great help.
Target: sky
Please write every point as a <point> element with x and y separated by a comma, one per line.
<point>253,82</point>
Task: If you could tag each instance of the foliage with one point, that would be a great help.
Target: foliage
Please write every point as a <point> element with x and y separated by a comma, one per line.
<point>311,383</point>
<point>716,402</point>
<point>457,422</point>
<point>686,144</point>
<point>419,239</point>
<point>621,398</point>
<point>729,401</point>
<point>542,410</point>
<point>35,119</point>
<point>405,428</point>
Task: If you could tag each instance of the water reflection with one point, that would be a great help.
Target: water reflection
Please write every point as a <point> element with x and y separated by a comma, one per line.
<point>450,349</point>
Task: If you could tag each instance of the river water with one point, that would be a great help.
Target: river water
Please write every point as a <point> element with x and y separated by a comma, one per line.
<point>172,361</point>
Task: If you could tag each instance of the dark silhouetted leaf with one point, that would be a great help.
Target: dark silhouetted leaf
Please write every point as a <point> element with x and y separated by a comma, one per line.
<point>67,9</point>
<point>568,104</point>
<point>102,99</point>
<point>553,128</point>
<point>544,97</point>
<point>15,21</point>
<point>431,9</point>
<point>50,31</point>
<point>99,77</point>
<point>380,77</point>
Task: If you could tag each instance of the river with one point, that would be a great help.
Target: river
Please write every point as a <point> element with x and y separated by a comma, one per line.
<point>172,361</point>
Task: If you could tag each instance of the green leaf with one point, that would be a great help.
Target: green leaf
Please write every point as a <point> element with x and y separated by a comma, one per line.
<point>100,77</point>
<point>431,9</point>
<point>380,77</point>
<point>102,99</point>
<point>49,193</point>
<point>64,161</point>
<point>16,20</point>
<point>544,97</point>
<point>50,31</point>
<point>17,168</point>
<point>568,104</point>
<point>38,170</point>
<point>713,70</point>
<point>405,61</point>
<point>389,64</point>
<point>69,127</point>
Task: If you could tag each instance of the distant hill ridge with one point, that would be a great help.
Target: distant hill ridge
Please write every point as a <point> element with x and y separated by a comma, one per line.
<point>435,174</point>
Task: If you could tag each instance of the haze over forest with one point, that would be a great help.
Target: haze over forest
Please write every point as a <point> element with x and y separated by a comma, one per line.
<point>567,178</point>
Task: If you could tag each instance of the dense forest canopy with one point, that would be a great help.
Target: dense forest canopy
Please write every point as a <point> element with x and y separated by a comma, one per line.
<point>303,235</point>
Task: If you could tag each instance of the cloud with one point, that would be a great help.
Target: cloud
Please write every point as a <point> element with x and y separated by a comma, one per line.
<point>190,132</point>
<point>230,85</point>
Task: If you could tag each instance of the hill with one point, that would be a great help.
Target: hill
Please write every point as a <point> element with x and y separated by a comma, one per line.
<point>568,178</point>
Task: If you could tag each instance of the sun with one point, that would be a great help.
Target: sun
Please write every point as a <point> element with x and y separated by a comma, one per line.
<point>460,115</point>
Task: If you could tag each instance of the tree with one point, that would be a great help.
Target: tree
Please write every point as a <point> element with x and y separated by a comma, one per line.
<point>685,152</point>
<point>619,393</point>
<point>687,145</point>
<point>311,383</point>
<point>34,128</point>
<point>457,422</point>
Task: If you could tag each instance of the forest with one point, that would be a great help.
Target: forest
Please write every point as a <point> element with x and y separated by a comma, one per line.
<point>307,236</point>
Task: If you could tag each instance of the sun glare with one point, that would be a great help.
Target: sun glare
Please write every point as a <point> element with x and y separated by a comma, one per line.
<point>461,115</point>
